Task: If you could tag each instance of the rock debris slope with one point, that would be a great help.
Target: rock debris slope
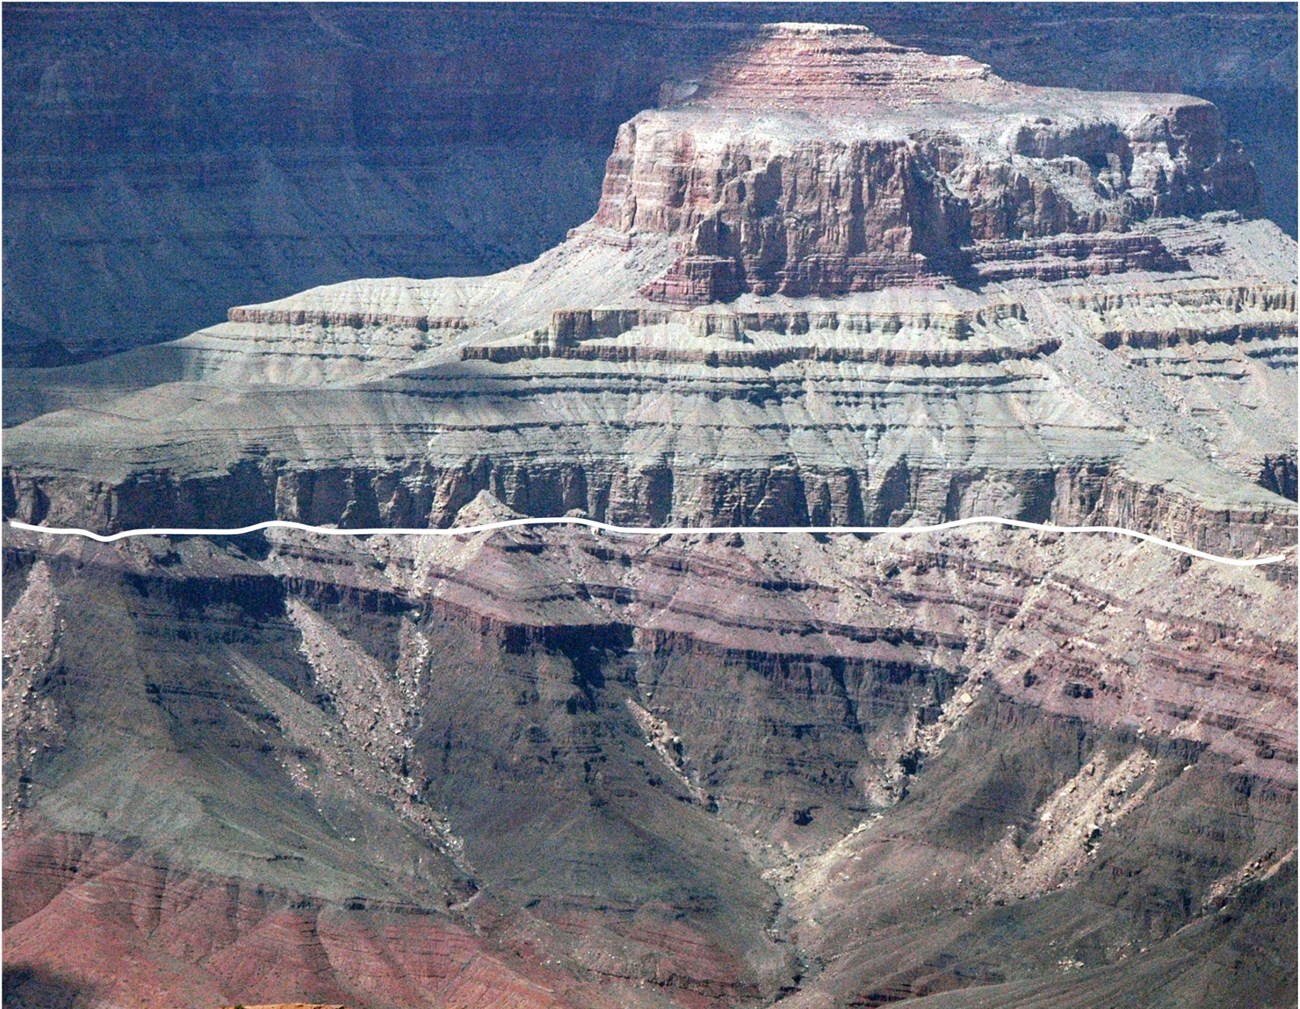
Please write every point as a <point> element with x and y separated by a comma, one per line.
<point>831,281</point>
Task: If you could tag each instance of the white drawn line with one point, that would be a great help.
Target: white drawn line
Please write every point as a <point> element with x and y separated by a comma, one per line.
<point>571,520</point>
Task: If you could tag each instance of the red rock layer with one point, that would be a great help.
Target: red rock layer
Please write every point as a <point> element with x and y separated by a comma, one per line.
<point>881,165</point>
<point>831,217</point>
<point>135,931</point>
<point>822,64</point>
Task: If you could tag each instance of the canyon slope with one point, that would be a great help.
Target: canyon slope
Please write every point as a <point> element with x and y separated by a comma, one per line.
<point>831,280</point>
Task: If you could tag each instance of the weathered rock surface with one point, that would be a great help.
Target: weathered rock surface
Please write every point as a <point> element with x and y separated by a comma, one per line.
<point>820,160</point>
<point>550,768</point>
<point>700,771</point>
<point>396,402</point>
<point>162,165</point>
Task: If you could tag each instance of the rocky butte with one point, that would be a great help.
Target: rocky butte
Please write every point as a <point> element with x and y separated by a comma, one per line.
<point>831,281</point>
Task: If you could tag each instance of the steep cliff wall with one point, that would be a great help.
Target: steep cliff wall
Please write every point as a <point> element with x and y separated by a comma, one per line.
<point>952,160</point>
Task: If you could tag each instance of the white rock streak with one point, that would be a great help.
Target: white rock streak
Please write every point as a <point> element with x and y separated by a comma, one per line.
<point>605,527</point>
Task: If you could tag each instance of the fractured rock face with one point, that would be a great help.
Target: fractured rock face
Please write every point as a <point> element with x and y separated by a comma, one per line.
<point>1047,334</point>
<point>821,159</point>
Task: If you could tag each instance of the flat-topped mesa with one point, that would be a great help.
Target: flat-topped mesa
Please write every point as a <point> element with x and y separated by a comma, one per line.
<point>819,64</point>
<point>821,160</point>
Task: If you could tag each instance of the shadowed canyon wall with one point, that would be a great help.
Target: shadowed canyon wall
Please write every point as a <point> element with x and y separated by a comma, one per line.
<point>165,162</point>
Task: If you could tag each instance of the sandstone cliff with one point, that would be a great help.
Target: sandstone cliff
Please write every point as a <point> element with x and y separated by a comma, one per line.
<point>818,162</point>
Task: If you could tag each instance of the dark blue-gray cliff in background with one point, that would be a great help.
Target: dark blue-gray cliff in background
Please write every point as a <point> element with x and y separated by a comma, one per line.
<point>164,162</point>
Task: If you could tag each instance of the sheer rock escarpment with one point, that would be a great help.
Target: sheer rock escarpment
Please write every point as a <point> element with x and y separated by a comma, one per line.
<point>820,161</point>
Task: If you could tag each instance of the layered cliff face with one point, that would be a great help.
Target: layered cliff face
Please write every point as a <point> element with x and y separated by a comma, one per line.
<point>164,164</point>
<point>819,162</point>
<point>546,768</point>
<point>1097,402</point>
<point>931,293</point>
<point>556,768</point>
